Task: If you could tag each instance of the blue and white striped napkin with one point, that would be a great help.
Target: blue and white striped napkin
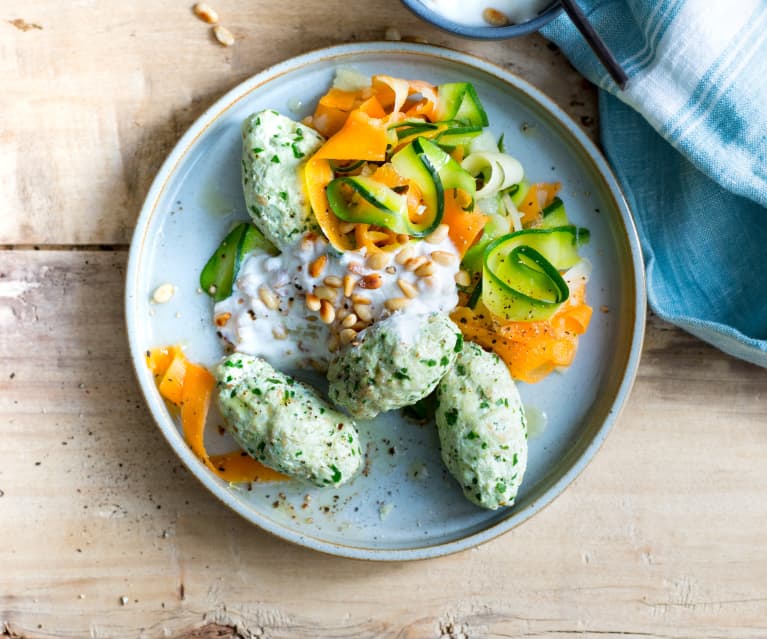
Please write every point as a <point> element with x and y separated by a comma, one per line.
<point>688,142</point>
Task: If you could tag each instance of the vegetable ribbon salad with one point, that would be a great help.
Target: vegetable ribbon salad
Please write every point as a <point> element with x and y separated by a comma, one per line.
<point>389,229</point>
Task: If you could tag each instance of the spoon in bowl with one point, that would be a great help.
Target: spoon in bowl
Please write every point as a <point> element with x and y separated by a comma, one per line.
<point>578,18</point>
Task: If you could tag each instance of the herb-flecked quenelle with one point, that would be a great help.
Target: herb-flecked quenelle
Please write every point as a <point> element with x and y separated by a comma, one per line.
<point>274,148</point>
<point>482,428</point>
<point>397,362</point>
<point>285,424</point>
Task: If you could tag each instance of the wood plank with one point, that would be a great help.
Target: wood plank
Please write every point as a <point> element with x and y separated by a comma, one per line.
<point>662,535</point>
<point>96,98</point>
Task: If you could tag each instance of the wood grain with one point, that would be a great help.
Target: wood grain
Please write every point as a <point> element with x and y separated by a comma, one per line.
<point>95,99</point>
<point>662,536</point>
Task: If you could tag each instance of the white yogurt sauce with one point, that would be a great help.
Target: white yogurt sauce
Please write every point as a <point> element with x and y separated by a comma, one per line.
<point>469,12</point>
<point>292,336</point>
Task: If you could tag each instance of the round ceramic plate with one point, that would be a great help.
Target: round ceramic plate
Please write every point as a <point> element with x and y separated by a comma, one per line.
<point>405,506</point>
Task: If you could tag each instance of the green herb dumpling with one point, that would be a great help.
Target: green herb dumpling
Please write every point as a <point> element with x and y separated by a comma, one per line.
<point>397,362</point>
<point>274,148</point>
<point>285,424</point>
<point>482,428</point>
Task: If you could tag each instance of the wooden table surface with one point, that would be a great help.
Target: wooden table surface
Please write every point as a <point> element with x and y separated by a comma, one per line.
<point>104,534</point>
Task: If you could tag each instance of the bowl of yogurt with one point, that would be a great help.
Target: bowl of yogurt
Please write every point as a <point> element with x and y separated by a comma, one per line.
<point>486,19</point>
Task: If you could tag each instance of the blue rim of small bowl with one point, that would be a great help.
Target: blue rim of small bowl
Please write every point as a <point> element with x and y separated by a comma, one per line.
<point>167,425</point>
<point>488,32</point>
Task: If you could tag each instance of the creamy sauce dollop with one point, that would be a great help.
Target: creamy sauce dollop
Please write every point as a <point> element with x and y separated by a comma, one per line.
<point>290,335</point>
<point>469,12</point>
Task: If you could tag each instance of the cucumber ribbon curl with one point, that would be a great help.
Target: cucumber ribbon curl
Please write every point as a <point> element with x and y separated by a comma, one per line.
<point>362,199</point>
<point>521,279</point>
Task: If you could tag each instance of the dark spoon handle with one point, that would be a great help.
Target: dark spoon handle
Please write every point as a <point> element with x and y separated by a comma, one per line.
<point>595,42</point>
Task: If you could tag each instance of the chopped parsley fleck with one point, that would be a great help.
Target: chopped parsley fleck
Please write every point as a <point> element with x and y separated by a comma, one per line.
<point>484,404</point>
<point>451,416</point>
<point>401,374</point>
<point>514,459</point>
<point>257,150</point>
<point>460,369</point>
<point>444,361</point>
<point>299,134</point>
<point>255,391</point>
<point>273,380</point>
<point>275,159</point>
<point>500,487</point>
<point>472,435</point>
<point>233,364</point>
<point>336,473</point>
<point>458,343</point>
<point>297,153</point>
<point>283,196</point>
<point>299,453</point>
<point>429,362</point>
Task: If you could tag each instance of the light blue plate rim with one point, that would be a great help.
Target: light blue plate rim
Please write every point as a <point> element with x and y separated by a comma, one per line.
<point>155,404</point>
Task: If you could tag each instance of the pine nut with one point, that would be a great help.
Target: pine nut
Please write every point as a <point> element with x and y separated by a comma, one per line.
<point>363,312</point>
<point>347,335</point>
<point>279,332</point>
<point>438,235</point>
<point>268,298</point>
<point>313,302</point>
<point>396,303</point>
<point>349,321</point>
<point>333,343</point>
<point>221,320</point>
<point>371,281</point>
<point>327,312</point>
<point>391,270</point>
<point>425,270</point>
<point>326,293</point>
<point>333,281</point>
<point>376,261</point>
<point>346,227</point>
<point>495,18</point>
<point>443,257</point>
<point>223,35</point>
<point>407,288</point>
<point>392,33</point>
<point>360,326</point>
<point>163,294</point>
<point>405,254</point>
<point>462,278</point>
<point>316,267</point>
<point>360,299</point>
<point>205,12</point>
<point>349,283</point>
<point>416,262</point>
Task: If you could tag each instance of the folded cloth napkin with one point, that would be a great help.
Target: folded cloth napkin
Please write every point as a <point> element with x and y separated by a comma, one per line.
<point>687,140</point>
